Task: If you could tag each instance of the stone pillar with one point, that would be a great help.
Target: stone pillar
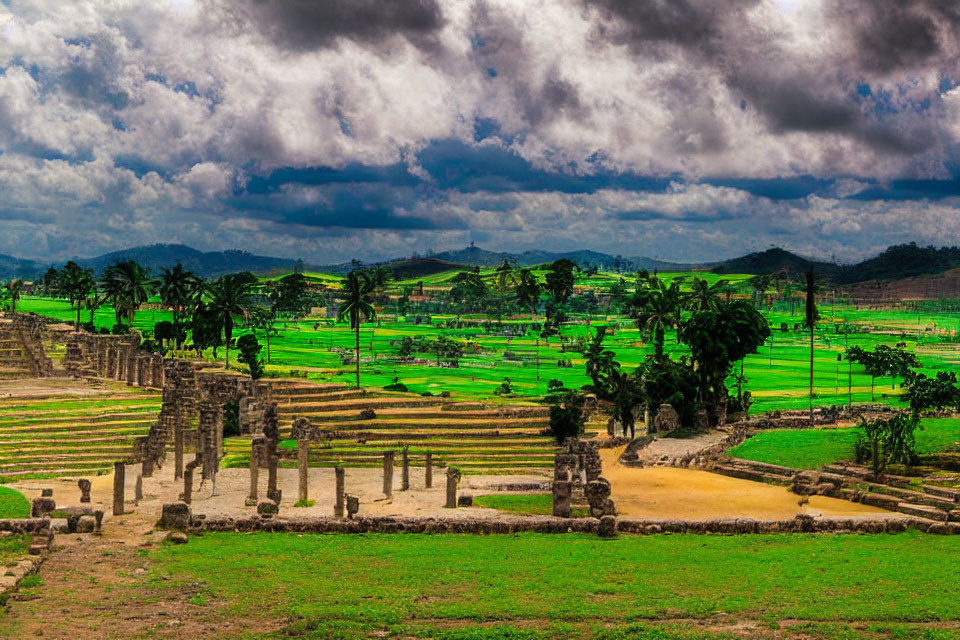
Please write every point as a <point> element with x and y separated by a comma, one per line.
<point>303,469</point>
<point>131,365</point>
<point>273,493</point>
<point>388,474</point>
<point>453,478</point>
<point>178,450</point>
<point>254,479</point>
<point>187,495</point>
<point>119,478</point>
<point>405,470</point>
<point>111,371</point>
<point>338,506</point>
<point>562,491</point>
<point>84,485</point>
<point>428,470</point>
<point>138,490</point>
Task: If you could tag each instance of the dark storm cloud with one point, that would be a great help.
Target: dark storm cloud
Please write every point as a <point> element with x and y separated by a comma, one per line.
<point>893,34</point>
<point>311,24</point>
<point>792,93</point>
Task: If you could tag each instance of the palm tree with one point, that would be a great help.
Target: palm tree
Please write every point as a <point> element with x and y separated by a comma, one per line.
<point>528,290</point>
<point>504,273</point>
<point>704,296</point>
<point>230,297</point>
<point>127,285</point>
<point>656,307</point>
<point>14,290</point>
<point>76,284</point>
<point>810,321</point>
<point>358,306</point>
<point>178,289</point>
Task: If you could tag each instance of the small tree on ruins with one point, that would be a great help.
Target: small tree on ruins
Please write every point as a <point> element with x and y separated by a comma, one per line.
<point>359,290</point>
<point>249,354</point>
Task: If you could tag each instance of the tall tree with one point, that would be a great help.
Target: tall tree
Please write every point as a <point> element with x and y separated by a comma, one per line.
<point>656,307</point>
<point>560,279</point>
<point>265,319</point>
<point>357,305</point>
<point>811,317</point>
<point>76,283</point>
<point>703,296</point>
<point>504,275</point>
<point>14,291</point>
<point>127,285</point>
<point>527,290</point>
<point>178,288</point>
<point>229,298</point>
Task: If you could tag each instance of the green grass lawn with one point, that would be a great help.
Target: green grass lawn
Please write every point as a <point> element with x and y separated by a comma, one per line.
<point>539,504</point>
<point>12,548</point>
<point>541,586</point>
<point>813,448</point>
<point>13,504</point>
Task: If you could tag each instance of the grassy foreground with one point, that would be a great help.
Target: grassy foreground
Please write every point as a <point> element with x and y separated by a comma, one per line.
<point>813,448</point>
<point>13,504</point>
<point>535,586</point>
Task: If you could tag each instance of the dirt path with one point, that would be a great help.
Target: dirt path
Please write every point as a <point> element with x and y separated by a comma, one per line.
<point>668,450</point>
<point>690,494</point>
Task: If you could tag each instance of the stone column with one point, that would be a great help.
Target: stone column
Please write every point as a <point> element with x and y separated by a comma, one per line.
<point>453,478</point>
<point>138,490</point>
<point>254,479</point>
<point>119,478</point>
<point>428,470</point>
<point>338,506</point>
<point>561,498</point>
<point>111,371</point>
<point>273,493</point>
<point>303,468</point>
<point>188,481</point>
<point>131,368</point>
<point>178,450</point>
<point>84,485</point>
<point>405,470</point>
<point>388,474</point>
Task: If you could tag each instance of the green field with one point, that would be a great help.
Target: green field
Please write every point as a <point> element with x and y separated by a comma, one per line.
<point>778,376</point>
<point>542,586</point>
<point>538,504</point>
<point>813,448</point>
<point>13,504</point>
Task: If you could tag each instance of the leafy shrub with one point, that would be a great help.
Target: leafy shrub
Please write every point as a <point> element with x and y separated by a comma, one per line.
<point>249,350</point>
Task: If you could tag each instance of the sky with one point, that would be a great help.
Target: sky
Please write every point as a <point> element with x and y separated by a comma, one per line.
<point>687,130</point>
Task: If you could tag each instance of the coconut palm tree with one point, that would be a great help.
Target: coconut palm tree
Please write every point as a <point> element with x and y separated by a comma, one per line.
<point>357,305</point>
<point>810,321</point>
<point>656,307</point>
<point>178,288</point>
<point>704,296</point>
<point>528,290</point>
<point>127,285</point>
<point>14,290</point>
<point>230,296</point>
<point>76,284</point>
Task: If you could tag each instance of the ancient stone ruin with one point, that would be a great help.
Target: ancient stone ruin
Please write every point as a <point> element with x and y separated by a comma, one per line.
<point>576,479</point>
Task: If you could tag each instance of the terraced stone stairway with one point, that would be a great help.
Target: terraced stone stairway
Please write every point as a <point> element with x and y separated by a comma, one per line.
<point>59,427</point>
<point>475,437</point>
<point>14,363</point>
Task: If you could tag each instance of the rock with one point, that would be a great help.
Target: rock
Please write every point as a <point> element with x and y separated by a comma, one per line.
<point>368,414</point>
<point>177,537</point>
<point>267,508</point>
<point>42,506</point>
<point>175,515</point>
<point>666,420</point>
<point>46,493</point>
<point>607,527</point>
<point>86,524</point>
<point>465,501</point>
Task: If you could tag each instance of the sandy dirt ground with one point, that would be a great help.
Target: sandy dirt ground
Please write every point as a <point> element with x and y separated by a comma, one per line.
<point>691,494</point>
<point>664,450</point>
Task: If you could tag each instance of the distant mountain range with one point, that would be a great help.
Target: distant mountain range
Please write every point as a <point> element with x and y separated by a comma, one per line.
<point>899,261</point>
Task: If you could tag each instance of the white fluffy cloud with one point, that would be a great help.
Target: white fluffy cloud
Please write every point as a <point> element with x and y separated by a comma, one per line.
<point>125,122</point>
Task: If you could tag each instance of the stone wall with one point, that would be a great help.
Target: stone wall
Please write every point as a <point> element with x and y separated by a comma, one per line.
<point>29,332</point>
<point>550,524</point>
<point>113,357</point>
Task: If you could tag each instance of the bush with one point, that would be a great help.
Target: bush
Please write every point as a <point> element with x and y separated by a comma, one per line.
<point>396,385</point>
<point>504,389</point>
<point>231,419</point>
<point>249,350</point>
<point>120,330</point>
<point>566,421</point>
